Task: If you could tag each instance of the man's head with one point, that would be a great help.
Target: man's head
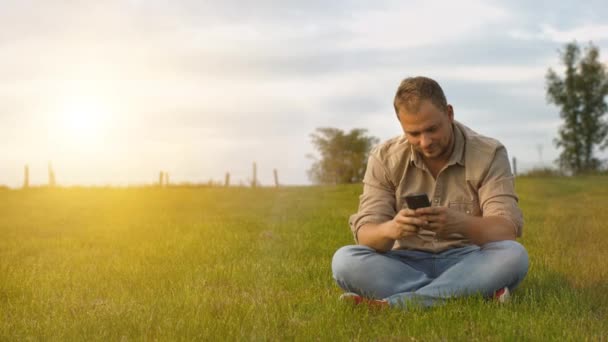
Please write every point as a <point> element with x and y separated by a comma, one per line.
<point>425,116</point>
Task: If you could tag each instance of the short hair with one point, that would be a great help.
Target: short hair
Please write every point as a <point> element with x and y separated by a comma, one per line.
<point>413,90</point>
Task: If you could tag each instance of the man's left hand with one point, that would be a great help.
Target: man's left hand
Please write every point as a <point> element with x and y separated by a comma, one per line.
<point>444,221</point>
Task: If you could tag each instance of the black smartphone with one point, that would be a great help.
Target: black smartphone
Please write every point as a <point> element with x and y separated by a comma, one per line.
<point>416,201</point>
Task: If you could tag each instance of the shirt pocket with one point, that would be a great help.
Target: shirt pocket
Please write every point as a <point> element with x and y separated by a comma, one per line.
<point>466,207</point>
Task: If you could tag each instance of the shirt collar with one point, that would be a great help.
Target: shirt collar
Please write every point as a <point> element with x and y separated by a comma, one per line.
<point>415,158</point>
<point>457,156</point>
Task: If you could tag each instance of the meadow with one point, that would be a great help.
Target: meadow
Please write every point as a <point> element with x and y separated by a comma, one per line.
<point>254,264</point>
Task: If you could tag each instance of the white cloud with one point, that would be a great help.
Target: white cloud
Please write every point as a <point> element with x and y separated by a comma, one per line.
<point>595,32</point>
<point>421,23</point>
<point>487,73</point>
<point>204,87</point>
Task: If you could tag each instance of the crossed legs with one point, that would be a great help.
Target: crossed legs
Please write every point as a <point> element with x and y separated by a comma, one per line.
<point>403,277</point>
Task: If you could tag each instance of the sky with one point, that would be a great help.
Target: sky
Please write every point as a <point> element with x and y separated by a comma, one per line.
<point>113,92</point>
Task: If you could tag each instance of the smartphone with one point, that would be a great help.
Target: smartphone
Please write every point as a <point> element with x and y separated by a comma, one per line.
<point>416,201</point>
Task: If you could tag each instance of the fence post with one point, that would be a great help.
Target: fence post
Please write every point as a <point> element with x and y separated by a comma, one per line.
<point>227,179</point>
<point>26,177</point>
<point>51,176</point>
<point>276,178</point>
<point>254,181</point>
<point>514,166</point>
<point>160,179</point>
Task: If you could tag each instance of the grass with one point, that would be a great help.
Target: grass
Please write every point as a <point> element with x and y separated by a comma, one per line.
<point>254,264</point>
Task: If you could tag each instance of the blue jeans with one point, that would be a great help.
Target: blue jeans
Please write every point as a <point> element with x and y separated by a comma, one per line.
<point>405,277</point>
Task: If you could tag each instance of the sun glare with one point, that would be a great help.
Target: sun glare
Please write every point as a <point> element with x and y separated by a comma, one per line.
<point>82,122</point>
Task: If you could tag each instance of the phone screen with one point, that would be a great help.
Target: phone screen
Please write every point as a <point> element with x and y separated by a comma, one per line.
<point>416,201</point>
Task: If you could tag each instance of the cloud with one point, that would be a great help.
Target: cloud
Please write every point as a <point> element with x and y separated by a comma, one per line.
<point>205,87</point>
<point>420,23</point>
<point>548,32</point>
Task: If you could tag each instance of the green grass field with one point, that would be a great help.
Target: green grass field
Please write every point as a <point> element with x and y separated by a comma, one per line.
<point>254,264</point>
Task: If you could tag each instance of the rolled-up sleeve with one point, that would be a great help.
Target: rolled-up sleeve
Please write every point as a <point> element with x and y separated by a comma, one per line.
<point>497,192</point>
<point>377,203</point>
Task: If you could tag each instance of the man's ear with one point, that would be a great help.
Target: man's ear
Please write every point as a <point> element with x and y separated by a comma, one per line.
<point>450,111</point>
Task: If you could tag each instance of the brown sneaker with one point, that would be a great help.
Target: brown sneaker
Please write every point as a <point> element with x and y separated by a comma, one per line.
<point>355,299</point>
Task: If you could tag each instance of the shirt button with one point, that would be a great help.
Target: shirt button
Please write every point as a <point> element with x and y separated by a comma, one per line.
<point>436,200</point>
<point>468,211</point>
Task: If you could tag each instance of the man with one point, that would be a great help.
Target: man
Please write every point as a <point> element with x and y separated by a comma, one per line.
<point>464,244</point>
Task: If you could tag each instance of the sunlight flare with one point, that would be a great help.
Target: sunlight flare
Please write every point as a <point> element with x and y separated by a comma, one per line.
<point>81,123</point>
<point>83,119</point>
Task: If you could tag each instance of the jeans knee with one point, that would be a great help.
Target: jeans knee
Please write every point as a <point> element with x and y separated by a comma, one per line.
<point>514,256</point>
<point>345,261</point>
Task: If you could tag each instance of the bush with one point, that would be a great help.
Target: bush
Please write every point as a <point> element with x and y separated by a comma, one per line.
<point>543,172</point>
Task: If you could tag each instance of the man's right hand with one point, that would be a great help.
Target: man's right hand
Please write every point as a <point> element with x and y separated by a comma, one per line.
<point>405,223</point>
<point>382,236</point>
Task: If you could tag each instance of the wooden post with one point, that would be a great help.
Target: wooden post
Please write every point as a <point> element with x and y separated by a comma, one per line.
<point>227,179</point>
<point>160,179</point>
<point>51,176</point>
<point>26,177</point>
<point>254,180</point>
<point>276,178</point>
<point>514,166</point>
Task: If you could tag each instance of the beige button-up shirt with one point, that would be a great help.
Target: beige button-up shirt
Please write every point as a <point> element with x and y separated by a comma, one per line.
<point>477,180</point>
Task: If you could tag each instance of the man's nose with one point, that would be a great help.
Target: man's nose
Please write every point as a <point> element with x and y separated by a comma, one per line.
<point>425,140</point>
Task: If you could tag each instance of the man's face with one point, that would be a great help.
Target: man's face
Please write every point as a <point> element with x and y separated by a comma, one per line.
<point>429,131</point>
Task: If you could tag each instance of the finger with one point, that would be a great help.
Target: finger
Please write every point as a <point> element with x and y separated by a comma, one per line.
<point>434,225</point>
<point>407,235</point>
<point>426,218</point>
<point>434,218</point>
<point>407,212</point>
<point>432,210</point>
<point>409,229</point>
<point>425,210</point>
<point>411,221</point>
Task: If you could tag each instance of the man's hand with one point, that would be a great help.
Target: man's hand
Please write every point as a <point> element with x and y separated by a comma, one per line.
<point>443,221</point>
<point>405,223</point>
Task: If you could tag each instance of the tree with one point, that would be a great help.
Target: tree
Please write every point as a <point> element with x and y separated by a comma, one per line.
<point>580,96</point>
<point>343,156</point>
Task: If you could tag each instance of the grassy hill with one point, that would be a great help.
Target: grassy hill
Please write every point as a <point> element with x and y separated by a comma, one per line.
<point>237,263</point>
